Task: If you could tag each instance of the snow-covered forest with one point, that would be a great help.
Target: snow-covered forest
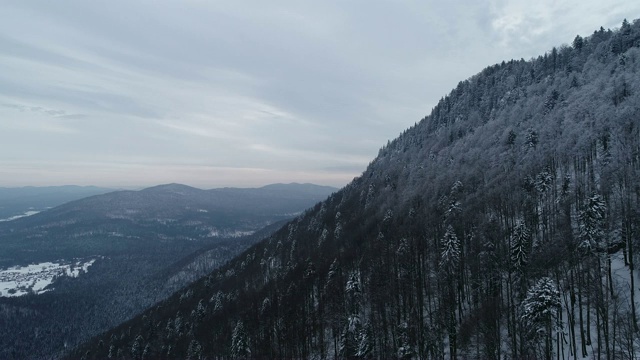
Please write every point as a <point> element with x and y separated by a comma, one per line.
<point>504,225</point>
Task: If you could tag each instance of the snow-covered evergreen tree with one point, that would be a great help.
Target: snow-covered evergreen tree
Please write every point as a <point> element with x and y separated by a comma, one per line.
<point>453,207</point>
<point>370,196</point>
<point>592,221</point>
<point>353,291</point>
<point>194,352</point>
<point>240,342</point>
<point>178,324</point>
<point>217,302</point>
<point>350,336</point>
<point>146,352</point>
<point>450,251</point>
<point>136,348</point>
<point>543,182</point>
<point>541,308</point>
<point>201,310</point>
<point>519,246</point>
<point>365,341</point>
<point>388,216</point>
<point>323,236</point>
<point>449,261</point>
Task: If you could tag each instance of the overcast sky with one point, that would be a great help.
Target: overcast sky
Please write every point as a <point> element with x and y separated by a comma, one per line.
<point>245,93</point>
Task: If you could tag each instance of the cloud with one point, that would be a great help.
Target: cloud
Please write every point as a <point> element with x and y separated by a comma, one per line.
<point>532,27</point>
<point>131,174</point>
<point>212,91</point>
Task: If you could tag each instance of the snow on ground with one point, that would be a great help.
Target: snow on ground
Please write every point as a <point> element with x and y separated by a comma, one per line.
<point>622,288</point>
<point>35,278</point>
<point>229,233</point>
<point>25,214</point>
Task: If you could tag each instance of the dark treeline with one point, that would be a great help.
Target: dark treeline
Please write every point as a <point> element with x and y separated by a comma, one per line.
<point>503,225</point>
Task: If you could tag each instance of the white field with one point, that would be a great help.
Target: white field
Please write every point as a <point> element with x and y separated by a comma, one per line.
<point>22,280</point>
<point>228,233</point>
<point>25,214</point>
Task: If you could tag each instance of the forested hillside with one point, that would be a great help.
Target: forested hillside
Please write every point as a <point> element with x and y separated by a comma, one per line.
<point>503,225</point>
<point>130,249</point>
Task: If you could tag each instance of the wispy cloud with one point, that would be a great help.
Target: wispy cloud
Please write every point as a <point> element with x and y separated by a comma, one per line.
<point>237,93</point>
<point>535,26</point>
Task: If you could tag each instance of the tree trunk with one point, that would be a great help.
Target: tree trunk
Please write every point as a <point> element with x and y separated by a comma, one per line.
<point>583,341</point>
<point>629,239</point>
<point>572,323</point>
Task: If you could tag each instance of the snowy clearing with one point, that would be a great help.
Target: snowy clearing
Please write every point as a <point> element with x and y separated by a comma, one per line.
<point>34,278</point>
<point>25,214</point>
<point>229,233</point>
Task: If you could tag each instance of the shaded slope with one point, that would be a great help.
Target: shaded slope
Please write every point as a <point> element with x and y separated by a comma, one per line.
<point>443,245</point>
<point>144,245</point>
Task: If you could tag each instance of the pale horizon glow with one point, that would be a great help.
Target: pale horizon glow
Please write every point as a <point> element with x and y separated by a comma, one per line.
<point>244,94</point>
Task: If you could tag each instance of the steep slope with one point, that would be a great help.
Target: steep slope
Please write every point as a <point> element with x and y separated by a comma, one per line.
<point>110,256</point>
<point>502,225</point>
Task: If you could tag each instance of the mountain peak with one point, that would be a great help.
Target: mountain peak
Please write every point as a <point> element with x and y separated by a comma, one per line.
<point>172,187</point>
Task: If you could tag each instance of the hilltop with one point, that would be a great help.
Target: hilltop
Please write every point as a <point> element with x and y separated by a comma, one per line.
<point>501,225</point>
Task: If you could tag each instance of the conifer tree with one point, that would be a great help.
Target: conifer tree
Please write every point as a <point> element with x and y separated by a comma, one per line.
<point>520,239</point>
<point>365,341</point>
<point>146,352</point>
<point>350,336</point>
<point>450,255</point>
<point>136,348</point>
<point>541,313</point>
<point>194,352</point>
<point>200,310</point>
<point>592,224</point>
<point>240,342</point>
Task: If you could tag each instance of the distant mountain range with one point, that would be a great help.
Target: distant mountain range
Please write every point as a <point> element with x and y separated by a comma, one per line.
<point>104,258</point>
<point>163,211</point>
<point>16,201</point>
